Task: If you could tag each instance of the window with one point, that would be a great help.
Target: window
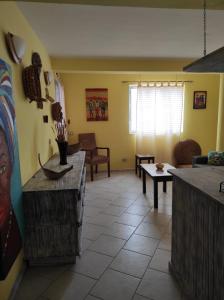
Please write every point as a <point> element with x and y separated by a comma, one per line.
<point>156,110</point>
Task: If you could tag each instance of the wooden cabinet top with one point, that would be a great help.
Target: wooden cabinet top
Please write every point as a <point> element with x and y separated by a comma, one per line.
<point>71,180</point>
<point>206,180</point>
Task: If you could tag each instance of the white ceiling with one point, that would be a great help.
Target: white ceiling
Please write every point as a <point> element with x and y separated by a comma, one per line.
<point>69,30</point>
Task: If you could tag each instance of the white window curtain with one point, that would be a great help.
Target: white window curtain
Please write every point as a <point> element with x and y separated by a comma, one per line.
<point>59,94</point>
<point>156,116</point>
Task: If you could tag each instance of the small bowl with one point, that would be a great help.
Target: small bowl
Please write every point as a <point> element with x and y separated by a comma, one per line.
<point>159,166</point>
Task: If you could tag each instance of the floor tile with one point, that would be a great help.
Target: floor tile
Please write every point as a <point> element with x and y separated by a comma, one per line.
<point>70,286</point>
<point>49,272</point>
<point>122,202</point>
<point>141,244</point>
<point>114,285</point>
<point>138,297</point>
<point>129,219</point>
<point>89,297</point>
<point>138,210</point>
<point>90,211</point>
<point>165,242</point>
<point>142,201</point>
<point>109,196</point>
<point>169,228</point>
<point>99,203</point>
<point>92,231</point>
<point>157,218</point>
<point>131,263</point>
<point>92,264</point>
<point>120,230</point>
<point>160,260</point>
<point>150,230</point>
<point>113,210</point>
<point>164,209</point>
<point>108,245</point>
<point>85,244</point>
<point>129,195</point>
<point>101,219</point>
<point>158,286</point>
<point>31,288</point>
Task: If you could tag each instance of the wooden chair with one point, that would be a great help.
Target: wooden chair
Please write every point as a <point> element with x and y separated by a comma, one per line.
<point>93,158</point>
<point>184,151</point>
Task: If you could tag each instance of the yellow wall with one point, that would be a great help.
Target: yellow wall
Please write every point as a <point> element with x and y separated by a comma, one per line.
<point>118,65</point>
<point>200,125</point>
<point>33,135</point>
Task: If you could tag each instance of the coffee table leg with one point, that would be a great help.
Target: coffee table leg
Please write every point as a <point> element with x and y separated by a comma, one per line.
<point>164,186</point>
<point>155,193</point>
<point>144,181</point>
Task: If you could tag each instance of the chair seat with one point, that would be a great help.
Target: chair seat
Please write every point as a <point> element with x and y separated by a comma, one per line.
<point>98,159</point>
<point>93,158</point>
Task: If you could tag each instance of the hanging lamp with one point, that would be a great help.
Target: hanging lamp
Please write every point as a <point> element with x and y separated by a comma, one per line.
<point>212,62</point>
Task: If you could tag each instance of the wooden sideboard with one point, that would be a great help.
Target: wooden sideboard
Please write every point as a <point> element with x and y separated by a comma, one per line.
<point>197,260</point>
<point>53,212</point>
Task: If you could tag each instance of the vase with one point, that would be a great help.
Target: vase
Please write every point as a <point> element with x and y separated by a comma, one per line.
<point>62,147</point>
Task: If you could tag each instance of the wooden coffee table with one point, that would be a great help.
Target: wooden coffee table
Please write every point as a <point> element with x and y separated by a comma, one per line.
<point>157,176</point>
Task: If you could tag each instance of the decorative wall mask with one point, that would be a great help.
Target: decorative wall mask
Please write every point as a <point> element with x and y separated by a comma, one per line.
<point>16,47</point>
<point>56,111</point>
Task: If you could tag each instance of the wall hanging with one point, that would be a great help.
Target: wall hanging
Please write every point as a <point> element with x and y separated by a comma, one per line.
<point>10,182</point>
<point>97,104</point>
<point>56,112</point>
<point>16,47</point>
<point>31,85</point>
<point>48,77</point>
<point>200,98</point>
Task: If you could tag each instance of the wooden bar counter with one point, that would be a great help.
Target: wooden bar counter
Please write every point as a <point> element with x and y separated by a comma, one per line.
<point>197,260</point>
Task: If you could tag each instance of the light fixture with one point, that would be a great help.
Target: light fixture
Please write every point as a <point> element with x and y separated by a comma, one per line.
<point>212,62</point>
<point>16,47</point>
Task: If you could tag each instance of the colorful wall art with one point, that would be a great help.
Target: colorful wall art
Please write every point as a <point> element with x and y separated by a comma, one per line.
<point>97,104</point>
<point>11,219</point>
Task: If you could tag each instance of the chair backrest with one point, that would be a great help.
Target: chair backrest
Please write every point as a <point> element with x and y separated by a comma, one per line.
<point>87,141</point>
<point>185,150</point>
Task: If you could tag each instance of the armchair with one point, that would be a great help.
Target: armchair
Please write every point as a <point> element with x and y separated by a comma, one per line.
<point>184,151</point>
<point>93,158</point>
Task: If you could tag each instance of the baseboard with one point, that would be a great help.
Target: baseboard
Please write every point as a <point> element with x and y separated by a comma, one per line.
<point>18,282</point>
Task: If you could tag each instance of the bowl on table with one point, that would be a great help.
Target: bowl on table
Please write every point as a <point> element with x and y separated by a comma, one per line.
<point>159,167</point>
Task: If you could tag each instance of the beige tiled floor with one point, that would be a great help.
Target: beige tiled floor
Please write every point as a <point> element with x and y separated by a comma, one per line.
<point>126,248</point>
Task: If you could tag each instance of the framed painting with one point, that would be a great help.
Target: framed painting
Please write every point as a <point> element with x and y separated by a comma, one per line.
<point>200,98</point>
<point>11,216</point>
<point>97,104</point>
